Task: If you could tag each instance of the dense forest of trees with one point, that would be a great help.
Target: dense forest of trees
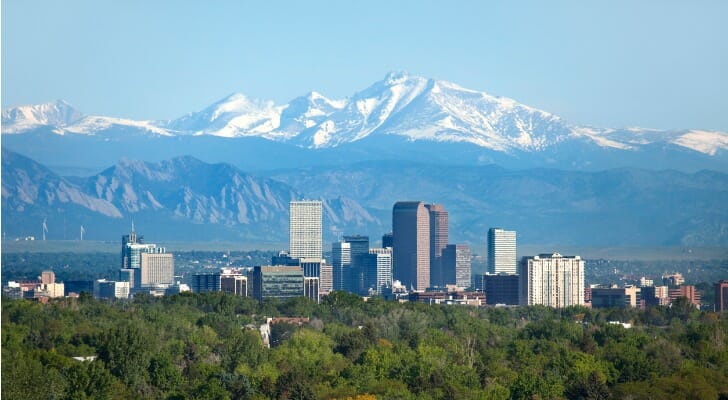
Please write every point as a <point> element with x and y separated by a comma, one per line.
<point>201,346</point>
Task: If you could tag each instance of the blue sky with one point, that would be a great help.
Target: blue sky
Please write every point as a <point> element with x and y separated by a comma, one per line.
<point>659,64</point>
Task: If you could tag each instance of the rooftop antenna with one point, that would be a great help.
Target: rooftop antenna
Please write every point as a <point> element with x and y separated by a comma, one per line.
<point>45,229</point>
<point>82,232</point>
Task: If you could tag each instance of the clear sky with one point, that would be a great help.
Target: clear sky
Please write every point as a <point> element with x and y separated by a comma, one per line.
<point>659,64</point>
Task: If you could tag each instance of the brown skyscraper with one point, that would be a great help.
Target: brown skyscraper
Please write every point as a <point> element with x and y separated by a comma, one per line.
<point>411,231</point>
<point>438,242</point>
<point>721,296</point>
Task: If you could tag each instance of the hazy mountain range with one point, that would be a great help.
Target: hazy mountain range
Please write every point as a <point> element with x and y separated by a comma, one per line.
<point>402,117</point>
<point>187,199</point>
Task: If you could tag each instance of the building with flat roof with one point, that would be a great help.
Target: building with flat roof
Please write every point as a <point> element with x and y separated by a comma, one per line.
<point>359,248</point>
<point>411,232</point>
<point>721,296</point>
<point>687,291</point>
<point>311,288</point>
<point>377,270</point>
<point>234,283</point>
<point>438,242</point>
<point>326,280</point>
<point>456,265</point>
<point>552,280</point>
<point>502,251</point>
<point>282,282</point>
<point>341,265</point>
<point>602,297</point>
<point>205,282</point>
<point>305,233</point>
<point>104,289</point>
<point>501,289</point>
<point>157,268</point>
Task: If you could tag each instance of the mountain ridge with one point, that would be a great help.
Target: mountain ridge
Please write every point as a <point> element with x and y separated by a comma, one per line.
<point>182,197</point>
<point>413,107</point>
<point>188,199</point>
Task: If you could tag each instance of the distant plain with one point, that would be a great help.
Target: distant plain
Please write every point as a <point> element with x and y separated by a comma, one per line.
<point>612,252</point>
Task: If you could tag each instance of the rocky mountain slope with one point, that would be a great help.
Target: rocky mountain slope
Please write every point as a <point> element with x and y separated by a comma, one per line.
<point>187,199</point>
<point>181,198</point>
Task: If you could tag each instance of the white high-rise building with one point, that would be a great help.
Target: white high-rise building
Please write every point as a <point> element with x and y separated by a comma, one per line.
<point>305,234</point>
<point>341,260</point>
<point>552,280</point>
<point>378,269</point>
<point>502,251</point>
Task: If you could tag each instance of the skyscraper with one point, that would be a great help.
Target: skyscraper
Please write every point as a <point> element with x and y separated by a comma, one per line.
<point>359,249</point>
<point>552,280</point>
<point>387,240</point>
<point>502,251</point>
<point>411,230</point>
<point>341,260</point>
<point>456,265</point>
<point>438,242</point>
<point>305,237</point>
<point>377,270</point>
<point>721,296</point>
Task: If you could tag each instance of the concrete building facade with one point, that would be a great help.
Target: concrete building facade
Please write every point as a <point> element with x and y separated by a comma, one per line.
<point>502,251</point>
<point>305,229</point>
<point>552,280</point>
<point>411,237</point>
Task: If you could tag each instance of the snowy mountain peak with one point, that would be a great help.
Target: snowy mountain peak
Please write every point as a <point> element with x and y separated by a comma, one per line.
<point>58,113</point>
<point>397,77</point>
<point>410,106</point>
<point>234,115</point>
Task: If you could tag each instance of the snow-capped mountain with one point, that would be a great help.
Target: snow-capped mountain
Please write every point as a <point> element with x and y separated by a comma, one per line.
<point>235,115</point>
<point>23,118</point>
<point>413,108</point>
<point>63,118</point>
<point>307,112</point>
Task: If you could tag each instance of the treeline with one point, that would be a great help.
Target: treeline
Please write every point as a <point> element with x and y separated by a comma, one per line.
<point>207,346</point>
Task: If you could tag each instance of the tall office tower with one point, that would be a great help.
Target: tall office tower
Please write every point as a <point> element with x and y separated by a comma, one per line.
<point>157,268</point>
<point>387,240</point>
<point>359,249</point>
<point>456,265</point>
<point>130,245</point>
<point>341,260</point>
<point>721,296</point>
<point>377,270</point>
<point>305,238</point>
<point>552,280</point>
<point>411,230</point>
<point>438,242</point>
<point>326,280</point>
<point>502,251</point>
